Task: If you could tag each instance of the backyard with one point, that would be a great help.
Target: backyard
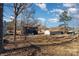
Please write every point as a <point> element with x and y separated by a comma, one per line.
<point>57,45</point>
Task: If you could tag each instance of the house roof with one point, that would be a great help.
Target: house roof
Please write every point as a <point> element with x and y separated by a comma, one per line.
<point>57,29</point>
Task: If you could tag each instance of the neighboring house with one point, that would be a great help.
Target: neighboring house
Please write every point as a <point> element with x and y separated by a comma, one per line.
<point>60,30</point>
<point>29,30</point>
<point>11,32</point>
<point>57,30</point>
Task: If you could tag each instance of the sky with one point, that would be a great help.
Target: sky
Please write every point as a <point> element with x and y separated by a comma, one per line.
<point>49,13</point>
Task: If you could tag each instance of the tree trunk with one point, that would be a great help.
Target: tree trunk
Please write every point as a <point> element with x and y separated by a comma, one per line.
<point>1,27</point>
<point>15,21</point>
<point>66,29</point>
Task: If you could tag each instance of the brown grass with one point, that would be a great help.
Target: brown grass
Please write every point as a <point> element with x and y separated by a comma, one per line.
<point>70,48</point>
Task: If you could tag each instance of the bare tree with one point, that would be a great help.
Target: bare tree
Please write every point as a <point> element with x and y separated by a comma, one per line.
<point>1,26</point>
<point>18,9</point>
<point>29,18</point>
